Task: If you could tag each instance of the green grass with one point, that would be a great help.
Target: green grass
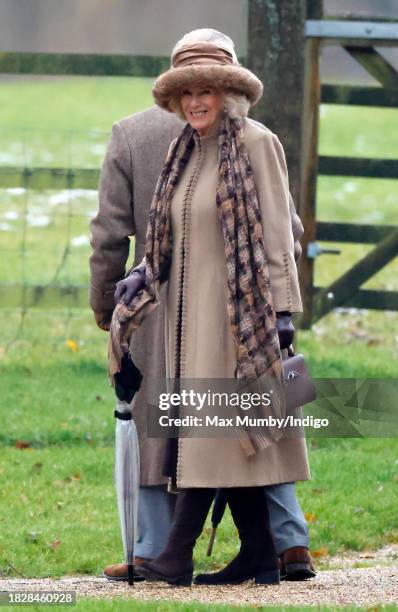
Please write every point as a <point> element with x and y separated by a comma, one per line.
<point>66,494</point>
<point>63,397</point>
<point>358,131</point>
<point>75,103</point>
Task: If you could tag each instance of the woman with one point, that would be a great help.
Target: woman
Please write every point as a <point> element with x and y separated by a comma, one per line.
<point>220,232</point>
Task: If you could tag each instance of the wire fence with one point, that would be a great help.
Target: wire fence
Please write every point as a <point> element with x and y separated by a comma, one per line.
<point>48,195</point>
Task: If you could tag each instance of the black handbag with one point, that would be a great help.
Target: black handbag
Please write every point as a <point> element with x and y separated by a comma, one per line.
<point>300,388</point>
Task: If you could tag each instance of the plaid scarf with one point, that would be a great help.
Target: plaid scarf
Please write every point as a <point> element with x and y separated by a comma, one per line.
<point>250,310</point>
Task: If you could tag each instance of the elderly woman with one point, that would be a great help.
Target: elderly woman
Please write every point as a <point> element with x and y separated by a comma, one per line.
<point>220,232</point>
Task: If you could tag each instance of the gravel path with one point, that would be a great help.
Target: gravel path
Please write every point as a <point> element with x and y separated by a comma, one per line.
<point>364,586</point>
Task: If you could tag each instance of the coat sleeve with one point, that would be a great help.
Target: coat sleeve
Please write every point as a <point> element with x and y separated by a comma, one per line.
<point>297,229</point>
<point>112,226</point>
<point>142,263</point>
<point>272,185</point>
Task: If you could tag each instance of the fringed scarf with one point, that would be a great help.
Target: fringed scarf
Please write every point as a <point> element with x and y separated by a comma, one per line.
<point>250,309</point>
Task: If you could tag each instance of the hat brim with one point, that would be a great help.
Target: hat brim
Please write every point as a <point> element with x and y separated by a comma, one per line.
<point>172,83</point>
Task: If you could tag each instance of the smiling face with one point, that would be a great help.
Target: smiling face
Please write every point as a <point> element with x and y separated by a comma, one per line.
<point>202,108</point>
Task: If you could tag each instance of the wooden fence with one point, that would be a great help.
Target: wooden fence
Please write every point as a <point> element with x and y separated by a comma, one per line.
<point>360,40</point>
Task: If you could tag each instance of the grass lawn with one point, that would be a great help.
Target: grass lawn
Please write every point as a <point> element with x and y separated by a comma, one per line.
<point>57,503</point>
<point>58,512</point>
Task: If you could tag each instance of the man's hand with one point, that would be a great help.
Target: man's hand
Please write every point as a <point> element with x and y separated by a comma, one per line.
<point>129,287</point>
<point>285,329</point>
<point>103,319</point>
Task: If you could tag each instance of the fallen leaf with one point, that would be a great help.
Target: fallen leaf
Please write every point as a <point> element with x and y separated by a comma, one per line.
<point>321,552</point>
<point>55,545</point>
<point>392,537</point>
<point>76,476</point>
<point>72,345</point>
<point>37,466</point>
<point>22,444</point>
<point>354,330</point>
<point>310,517</point>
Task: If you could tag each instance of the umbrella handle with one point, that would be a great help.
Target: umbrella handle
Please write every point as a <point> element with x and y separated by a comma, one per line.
<point>211,543</point>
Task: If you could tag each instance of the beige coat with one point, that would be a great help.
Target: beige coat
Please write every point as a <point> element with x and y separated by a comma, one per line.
<point>131,167</point>
<point>198,277</point>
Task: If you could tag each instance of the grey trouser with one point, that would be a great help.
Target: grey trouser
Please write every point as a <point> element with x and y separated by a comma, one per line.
<point>156,507</point>
<point>287,522</point>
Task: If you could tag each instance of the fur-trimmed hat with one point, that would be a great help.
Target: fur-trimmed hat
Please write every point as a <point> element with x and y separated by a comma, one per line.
<point>205,57</point>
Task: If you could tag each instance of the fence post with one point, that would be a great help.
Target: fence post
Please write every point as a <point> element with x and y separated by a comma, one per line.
<point>309,162</point>
<point>289,68</point>
<point>314,9</point>
<point>276,55</point>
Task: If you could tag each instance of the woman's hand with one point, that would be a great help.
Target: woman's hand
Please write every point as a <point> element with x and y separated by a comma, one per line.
<point>129,287</point>
<point>285,328</point>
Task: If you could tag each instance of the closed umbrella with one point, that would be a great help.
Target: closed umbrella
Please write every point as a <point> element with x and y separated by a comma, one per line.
<point>220,503</point>
<point>127,459</point>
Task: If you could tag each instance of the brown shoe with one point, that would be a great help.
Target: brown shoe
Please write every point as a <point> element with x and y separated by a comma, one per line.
<point>118,571</point>
<point>296,564</point>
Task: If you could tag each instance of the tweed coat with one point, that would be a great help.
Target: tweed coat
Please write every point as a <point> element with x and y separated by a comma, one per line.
<point>130,170</point>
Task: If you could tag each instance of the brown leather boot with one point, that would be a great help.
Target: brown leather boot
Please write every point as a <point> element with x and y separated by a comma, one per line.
<point>175,564</point>
<point>118,571</point>
<point>296,564</point>
<point>257,558</point>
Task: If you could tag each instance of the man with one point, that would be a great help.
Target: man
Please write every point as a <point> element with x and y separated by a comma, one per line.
<point>132,164</point>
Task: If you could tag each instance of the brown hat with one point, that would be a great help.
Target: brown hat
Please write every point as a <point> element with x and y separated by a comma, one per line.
<point>205,57</point>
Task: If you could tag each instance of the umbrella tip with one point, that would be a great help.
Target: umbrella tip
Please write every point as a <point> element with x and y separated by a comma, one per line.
<point>130,574</point>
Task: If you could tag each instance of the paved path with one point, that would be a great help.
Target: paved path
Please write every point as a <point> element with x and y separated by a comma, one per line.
<point>365,586</point>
